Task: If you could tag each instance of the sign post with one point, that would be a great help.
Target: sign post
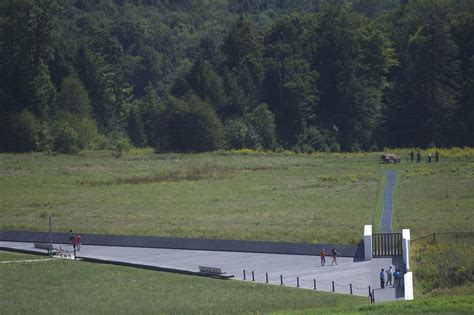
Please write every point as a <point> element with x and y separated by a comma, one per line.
<point>50,237</point>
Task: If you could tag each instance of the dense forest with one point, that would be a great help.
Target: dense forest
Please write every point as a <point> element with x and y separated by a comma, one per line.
<point>200,75</point>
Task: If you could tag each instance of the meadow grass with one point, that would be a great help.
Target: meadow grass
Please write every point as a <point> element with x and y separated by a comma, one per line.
<point>440,305</point>
<point>436,197</point>
<point>66,286</point>
<point>244,194</point>
<point>299,198</point>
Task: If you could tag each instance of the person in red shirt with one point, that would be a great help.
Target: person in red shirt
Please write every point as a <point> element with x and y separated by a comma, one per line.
<point>78,240</point>
<point>323,256</point>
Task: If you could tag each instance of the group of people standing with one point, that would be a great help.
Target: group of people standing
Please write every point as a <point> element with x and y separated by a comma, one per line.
<point>323,255</point>
<point>391,275</point>
<point>419,158</point>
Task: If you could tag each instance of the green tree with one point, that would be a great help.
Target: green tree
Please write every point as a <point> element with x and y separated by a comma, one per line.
<point>192,125</point>
<point>21,132</point>
<point>428,82</point>
<point>28,31</point>
<point>462,29</point>
<point>262,121</point>
<point>73,98</point>
<point>290,86</point>
<point>353,58</point>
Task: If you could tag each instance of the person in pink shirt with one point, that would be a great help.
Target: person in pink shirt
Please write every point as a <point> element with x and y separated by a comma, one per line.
<point>78,240</point>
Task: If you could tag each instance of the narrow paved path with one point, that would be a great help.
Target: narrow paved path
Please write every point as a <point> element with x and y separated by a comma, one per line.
<point>387,203</point>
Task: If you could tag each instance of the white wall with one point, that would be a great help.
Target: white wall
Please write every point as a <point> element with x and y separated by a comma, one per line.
<point>406,248</point>
<point>408,277</point>
<point>408,281</point>
<point>368,242</point>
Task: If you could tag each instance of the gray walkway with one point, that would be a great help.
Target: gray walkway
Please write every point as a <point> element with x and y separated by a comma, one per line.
<point>387,203</point>
<point>360,274</point>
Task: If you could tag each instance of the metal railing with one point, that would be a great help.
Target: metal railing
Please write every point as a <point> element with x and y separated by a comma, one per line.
<point>386,244</point>
<point>307,283</point>
<point>448,237</point>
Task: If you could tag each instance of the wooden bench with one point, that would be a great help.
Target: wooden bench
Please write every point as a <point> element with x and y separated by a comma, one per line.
<point>214,272</point>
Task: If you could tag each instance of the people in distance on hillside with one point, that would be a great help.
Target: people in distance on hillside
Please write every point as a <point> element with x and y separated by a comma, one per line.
<point>389,273</point>
<point>412,155</point>
<point>429,157</point>
<point>437,156</point>
<point>322,253</point>
<point>382,279</point>
<point>418,157</point>
<point>334,256</point>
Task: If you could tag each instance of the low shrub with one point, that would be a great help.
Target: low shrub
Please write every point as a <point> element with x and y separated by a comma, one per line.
<point>441,265</point>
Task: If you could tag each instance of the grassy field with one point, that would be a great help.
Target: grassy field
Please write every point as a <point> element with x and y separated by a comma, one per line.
<point>233,195</point>
<point>60,286</point>
<point>228,195</point>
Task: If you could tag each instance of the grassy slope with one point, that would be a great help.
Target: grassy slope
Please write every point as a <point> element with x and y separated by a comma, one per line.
<point>437,197</point>
<point>258,196</point>
<point>273,197</point>
<point>58,287</point>
<point>84,288</point>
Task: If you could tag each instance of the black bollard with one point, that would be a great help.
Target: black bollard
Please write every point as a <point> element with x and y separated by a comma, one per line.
<point>350,286</point>
<point>246,279</point>
<point>333,286</point>
<point>266,277</point>
<point>297,282</point>
<point>281,279</point>
<point>253,276</point>
<point>314,282</point>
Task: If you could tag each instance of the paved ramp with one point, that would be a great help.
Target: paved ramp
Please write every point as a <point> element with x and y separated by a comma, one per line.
<point>387,203</point>
<point>294,270</point>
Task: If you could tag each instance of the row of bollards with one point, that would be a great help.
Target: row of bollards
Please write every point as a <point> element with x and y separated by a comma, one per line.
<point>298,283</point>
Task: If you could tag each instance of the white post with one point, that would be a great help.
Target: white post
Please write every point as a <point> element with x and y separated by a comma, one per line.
<point>408,276</point>
<point>368,242</point>
<point>406,248</point>
<point>408,281</point>
<point>50,250</point>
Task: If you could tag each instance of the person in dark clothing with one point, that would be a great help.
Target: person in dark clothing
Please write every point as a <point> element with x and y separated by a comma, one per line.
<point>334,256</point>
<point>412,155</point>
<point>382,279</point>
<point>71,237</point>
<point>437,156</point>
<point>418,157</point>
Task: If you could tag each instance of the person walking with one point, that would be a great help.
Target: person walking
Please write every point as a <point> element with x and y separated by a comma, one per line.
<point>382,279</point>
<point>71,237</point>
<point>334,256</point>
<point>389,272</point>
<point>412,155</point>
<point>429,158</point>
<point>418,157</point>
<point>78,241</point>
<point>437,156</point>
<point>322,253</point>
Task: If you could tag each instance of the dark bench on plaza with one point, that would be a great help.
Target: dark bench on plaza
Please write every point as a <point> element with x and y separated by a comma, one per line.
<point>214,272</point>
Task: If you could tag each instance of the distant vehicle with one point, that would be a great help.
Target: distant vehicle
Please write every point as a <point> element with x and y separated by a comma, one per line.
<point>390,158</point>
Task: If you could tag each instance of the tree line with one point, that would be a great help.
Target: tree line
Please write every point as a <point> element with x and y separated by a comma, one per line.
<point>201,75</point>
